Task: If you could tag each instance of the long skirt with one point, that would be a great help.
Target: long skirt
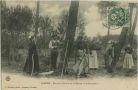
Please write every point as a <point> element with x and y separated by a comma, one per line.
<point>32,64</point>
<point>93,62</point>
<point>128,61</point>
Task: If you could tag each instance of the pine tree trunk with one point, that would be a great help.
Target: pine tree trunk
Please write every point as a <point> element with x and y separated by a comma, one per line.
<point>118,48</point>
<point>133,27</point>
<point>70,33</point>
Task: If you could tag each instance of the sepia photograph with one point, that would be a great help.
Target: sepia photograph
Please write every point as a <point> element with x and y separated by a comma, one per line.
<point>72,44</point>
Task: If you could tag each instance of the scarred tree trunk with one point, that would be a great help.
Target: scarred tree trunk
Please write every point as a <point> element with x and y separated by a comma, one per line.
<point>131,38</point>
<point>70,33</point>
<point>118,48</point>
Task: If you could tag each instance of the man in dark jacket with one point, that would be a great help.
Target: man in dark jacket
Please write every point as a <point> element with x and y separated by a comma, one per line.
<point>109,54</point>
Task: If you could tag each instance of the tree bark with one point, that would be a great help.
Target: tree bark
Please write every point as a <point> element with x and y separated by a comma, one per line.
<point>126,37</point>
<point>70,33</point>
<point>37,19</point>
<point>133,27</point>
<point>118,48</point>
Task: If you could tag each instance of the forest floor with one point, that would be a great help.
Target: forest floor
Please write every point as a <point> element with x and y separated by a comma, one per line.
<point>97,79</point>
<point>17,67</point>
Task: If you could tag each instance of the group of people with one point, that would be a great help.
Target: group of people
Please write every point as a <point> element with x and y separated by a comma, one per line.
<point>87,59</point>
<point>127,51</point>
<point>82,63</point>
<point>32,63</point>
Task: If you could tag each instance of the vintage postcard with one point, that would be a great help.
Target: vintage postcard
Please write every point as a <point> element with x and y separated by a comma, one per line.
<point>69,45</point>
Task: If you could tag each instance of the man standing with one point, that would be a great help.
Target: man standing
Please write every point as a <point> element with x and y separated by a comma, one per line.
<point>109,54</point>
<point>32,63</point>
<point>53,45</point>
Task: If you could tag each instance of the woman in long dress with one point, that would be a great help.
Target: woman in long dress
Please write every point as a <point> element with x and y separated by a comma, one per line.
<point>93,61</point>
<point>32,63</point>
<point>128,60</point>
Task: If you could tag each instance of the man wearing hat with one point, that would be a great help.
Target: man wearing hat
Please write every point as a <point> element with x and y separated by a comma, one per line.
<point>109,54</point>
<point>53,45</point>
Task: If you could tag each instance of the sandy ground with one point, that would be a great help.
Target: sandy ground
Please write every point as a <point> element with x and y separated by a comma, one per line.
<point>23,82</point>
<point>14,79</point>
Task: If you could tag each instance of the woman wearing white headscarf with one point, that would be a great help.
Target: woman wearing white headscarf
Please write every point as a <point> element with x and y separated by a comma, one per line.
<point>128,60</point>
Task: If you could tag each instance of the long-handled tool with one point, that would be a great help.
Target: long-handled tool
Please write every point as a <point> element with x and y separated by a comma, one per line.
<point>32,65</point>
